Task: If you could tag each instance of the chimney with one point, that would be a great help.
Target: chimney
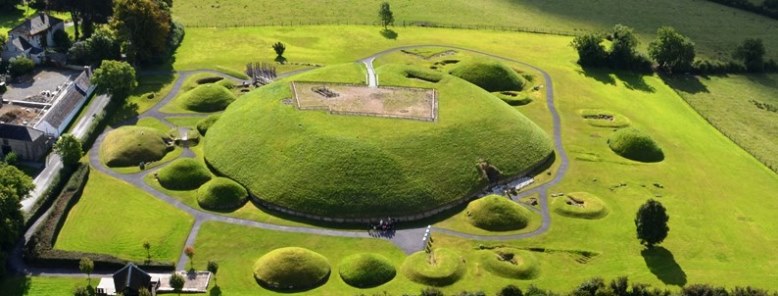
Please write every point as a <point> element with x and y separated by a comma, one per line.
<point>88,71</point>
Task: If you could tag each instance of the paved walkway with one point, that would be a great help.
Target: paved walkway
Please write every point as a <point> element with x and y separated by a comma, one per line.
<point>409,240</point>
<point>372,81</point>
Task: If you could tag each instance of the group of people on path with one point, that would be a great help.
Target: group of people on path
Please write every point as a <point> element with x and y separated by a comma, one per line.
<point>384,228</point>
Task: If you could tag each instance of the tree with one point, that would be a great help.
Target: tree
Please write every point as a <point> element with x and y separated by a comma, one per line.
<point>671,50</point>
<point>86,266</point>
<point>14,185</point>
<point>177,283</point>
<point>189,252</point>
<point>510,290</point>
<point>590,50</point>
<point>9,5</point>
<point>386,15</point>
<point>147,247</point>
<point>69,149</point>
<point>144,26</point>
<point>103,45</point>
<point>144,292</point>
<point>16,181</point>
<point>62,40</point>
<point>624,47</point>
<point>20,65</point>
<point>751,52</point>
<point>213,267</point>
<point>279,48</point>
<point>11,158</point>
<point>651,222</point>
<point>116,78</point>
<point>84,12</point>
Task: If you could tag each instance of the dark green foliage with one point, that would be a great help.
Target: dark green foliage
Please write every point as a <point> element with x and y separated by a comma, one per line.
<point>591,53</point>
<point>115,78</point>
<point>183,174</point>
<point>206,123</point>
<point>490,75</point>
<point>590,287</point>
<point>431,292</point>
<point>86,265</point>
<point>386,15</point>
<point>20,65</point>
<point>636,145</point>
<point>102,45</point>
<point>366,270</point>
<point>624,48</point>
<point>751,53</point>
<point>81,291</point>
<point>9,5</point>
<point>146,26</point>
<point>651,223</point>
<point>62,41</point>
<point>221,194</point>
<point>177,282</point>
<point>706,67</point>
<point>510,290</point>
<point>671,50</point>
<point>469,293</point>
<point>16,181</point>
<point>176,36</point>
<point>14,185</point>
<point>703,290</point>
<point>69,149</point>
<point>279,48</point>
<point>533,290</point>
<point>11,158</point>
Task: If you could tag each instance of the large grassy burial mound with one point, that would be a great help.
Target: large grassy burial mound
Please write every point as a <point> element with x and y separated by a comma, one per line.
<point>497,213</point>
<point>490,75</point>
<point>207,98</point>
<point>183,174</point>
<point>579,205</point>
<point>131,145</point>
<point>441,267</point>
<point>510,263</point>
<point>291,268</point>
<point>221,194</point>
<point>636,145</point>
<point>359,166</point>
<point>366,270</point>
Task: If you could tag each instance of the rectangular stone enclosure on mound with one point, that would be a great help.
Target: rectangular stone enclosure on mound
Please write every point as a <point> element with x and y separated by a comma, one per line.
<point>383,101</point>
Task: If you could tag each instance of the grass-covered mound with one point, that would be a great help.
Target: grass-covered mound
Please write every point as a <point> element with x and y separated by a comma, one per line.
<point>207,98</point>
<point>580,205</point>
<point>359,166</point>
<point>183,174</point>
<point>510,263</point>
<point>604,118</point>
<point>442,267</point>
<point>366,270</point>
<point>206,123</point>
<point>490,75</point>
<point>131,145</point>
<point>497,213</point>
<point>291,268</point>
<point>514,98</point>
<point>636,145</point>
<point>221,194</point>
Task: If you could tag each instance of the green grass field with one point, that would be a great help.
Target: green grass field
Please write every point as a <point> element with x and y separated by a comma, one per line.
<point>743,107</point>
<point>697,19</point>
<point>113,217</point>
<point>38,285</point>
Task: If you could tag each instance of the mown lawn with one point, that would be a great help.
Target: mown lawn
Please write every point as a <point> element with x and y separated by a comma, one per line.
<point>701,20</point>
<point>113,217</point>
<point>38,285</point>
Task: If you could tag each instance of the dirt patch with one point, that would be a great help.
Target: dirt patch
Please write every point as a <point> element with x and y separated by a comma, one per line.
<point>607,117</point>
<point>346,99</point>
<point>572,201</point>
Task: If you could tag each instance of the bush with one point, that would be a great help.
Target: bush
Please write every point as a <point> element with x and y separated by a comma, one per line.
<point>431,292</point>
<point>62,40</point>
<point>221,194</point>
<point>497,213</point>
<point>633,144</point>
<point>11,158</point>
<point>591,53</point>
<point>366,270</point>
<point>291,268</point>
<point>206,123</point>
<point>207,98</point>
<point>183,174</point>
<point>490,75</point>
<point>20,65</point>
<point>510,290</point>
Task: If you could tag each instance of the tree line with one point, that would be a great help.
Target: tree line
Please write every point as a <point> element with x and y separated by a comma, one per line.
<point>671,52</point>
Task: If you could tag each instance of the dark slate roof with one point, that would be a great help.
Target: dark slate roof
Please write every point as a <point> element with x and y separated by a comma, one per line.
<point>82,82</point>
<point>37,24</point>
<point>22,44</point>
<point>131,277</point>
<point>18,132</point>
<point>58,113</point>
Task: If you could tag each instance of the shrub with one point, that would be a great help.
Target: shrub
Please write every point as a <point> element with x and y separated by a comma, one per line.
<point>431,292</point>
<point>291,268</point>
<point>11,158</point>
<point>591,53</point>
<point>510,290</point>
<point>61,40</point>
<point>366,270</point>
<point>490,75</point>
<point>206,123</point>
<point>183,174</point>
<point>221,194</point>
<point>20,65</point>
<point>497,213</point>
<point>207,98</point>
<point>633,144</point>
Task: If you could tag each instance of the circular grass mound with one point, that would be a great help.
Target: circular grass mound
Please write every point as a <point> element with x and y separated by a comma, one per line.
<point>221,194</point>
<point>131,145</point>
<point>183,174</point>
<point>207,98</point>
<point>580,205</point>
<point>497,213</point>
<point>292,268</point>
<point>510,263</point>
<point>490,75</point>
<point>366,270</point>
<point>636,145</point>
<point>446,268</point>
<point>348,166</point>
<point>206,123</point>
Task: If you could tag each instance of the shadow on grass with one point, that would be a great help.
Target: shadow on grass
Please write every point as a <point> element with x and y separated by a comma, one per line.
<point>389,34</point>
<point>126,114</point>
<point>763,79</point>
<point>279,59</point>
<point>634,81</point>
<point>600,74</point>
<point>15,286</point>
<point>215,291</point>
<point>686,83</point>
<point>662,264</point>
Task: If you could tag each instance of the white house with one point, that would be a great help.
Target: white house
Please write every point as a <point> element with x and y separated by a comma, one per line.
<point>31,37</point>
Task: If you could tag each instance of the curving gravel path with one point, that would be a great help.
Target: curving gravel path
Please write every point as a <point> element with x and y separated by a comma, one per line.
<point>409,240</point>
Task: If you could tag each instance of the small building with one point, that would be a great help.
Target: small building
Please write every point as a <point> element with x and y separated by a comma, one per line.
<point>127,281</point>
<point>26,142</point>
<point>32,37</point>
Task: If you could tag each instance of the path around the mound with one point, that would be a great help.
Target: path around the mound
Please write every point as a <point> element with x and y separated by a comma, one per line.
<point>409,240</point>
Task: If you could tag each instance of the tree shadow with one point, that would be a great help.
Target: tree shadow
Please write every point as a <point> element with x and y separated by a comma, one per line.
<point>281,60</point>
<point>634,81</point>
<point>215,291</point>
<point>389,34</point>
<point>600,74</point>
<point>126,114</point>
<point>15,286</point>
<point>661,263</point>
<point>686,83</point>
<point>763,79</point>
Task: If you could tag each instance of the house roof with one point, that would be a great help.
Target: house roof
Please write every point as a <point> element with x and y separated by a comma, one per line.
<point>58,113</point>
<point>18,132</point>
<point>36,24</point>
<point>131,277</point>
<point>23,45</point>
